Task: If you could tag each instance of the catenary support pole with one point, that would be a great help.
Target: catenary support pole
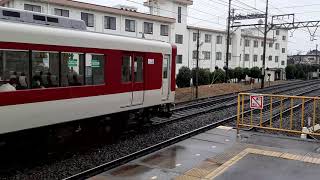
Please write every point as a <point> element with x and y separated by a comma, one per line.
<point>265,46</point>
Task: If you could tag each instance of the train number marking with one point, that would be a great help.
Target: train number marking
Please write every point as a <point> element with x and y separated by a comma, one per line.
<point>150,61</point>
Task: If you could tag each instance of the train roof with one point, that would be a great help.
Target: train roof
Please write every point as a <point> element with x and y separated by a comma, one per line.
<point>33,34</point>
<point>22,16</point>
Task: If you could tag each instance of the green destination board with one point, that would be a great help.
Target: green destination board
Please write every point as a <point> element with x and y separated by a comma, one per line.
<point>72,63</point>
<point>95,63</point>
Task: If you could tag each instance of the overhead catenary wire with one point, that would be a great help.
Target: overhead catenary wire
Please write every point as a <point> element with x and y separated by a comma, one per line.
<point>213,22</point>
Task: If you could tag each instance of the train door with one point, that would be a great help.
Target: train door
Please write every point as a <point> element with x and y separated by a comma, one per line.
<point>137,80</point>
<point>166,77</point>
<point>132,77</point>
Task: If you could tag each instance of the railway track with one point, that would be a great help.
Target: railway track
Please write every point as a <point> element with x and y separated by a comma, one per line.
<point>222,102</point>
<point>229,121</point>
<point>288,110</point>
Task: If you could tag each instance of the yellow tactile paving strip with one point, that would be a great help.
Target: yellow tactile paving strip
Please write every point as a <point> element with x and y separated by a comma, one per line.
<point>205,173</point>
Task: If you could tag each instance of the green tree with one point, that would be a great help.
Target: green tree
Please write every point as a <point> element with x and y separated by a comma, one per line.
<point>291,72</point>
<point>218,76</point>
<point>231,74</point>
<point>255,72</point>
<point>204,76</point>
<point>183,77</point>
<point>238,73</point>
<point>246,71</point>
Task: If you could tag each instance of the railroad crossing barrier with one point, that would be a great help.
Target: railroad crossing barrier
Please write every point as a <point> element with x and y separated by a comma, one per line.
<point>286,114</point>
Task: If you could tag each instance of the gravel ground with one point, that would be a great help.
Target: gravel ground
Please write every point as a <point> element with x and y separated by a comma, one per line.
<point>128,144</point>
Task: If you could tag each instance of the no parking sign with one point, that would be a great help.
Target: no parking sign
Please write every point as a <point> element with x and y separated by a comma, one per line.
<point>256,102</point>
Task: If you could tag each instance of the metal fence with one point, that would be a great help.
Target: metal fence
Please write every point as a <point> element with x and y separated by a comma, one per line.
<point>289,114</point>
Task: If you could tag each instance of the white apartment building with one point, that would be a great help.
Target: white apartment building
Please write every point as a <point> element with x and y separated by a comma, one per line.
<point>167,21</point>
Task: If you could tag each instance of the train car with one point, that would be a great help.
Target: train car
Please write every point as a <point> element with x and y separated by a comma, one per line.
<point>53,78</point>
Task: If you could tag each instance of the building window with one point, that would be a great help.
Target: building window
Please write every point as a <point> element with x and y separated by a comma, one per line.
<point>277,32</point>
<point>230,41</point>
<point>255,58</point>
<point>240,42</point>
<point>195,37</point>
<point>206,55</point>
<point>61,12</point>
<point>218,55</point>
<point>277,59</point>
<point>261,57</point>
<point>138,69</point>
<point>208,38</point>
<point>246,57</point>
<point>45,69</point>
<point>14,68</point>
<point>247,43</point>
<point>270,45</point>
<point>179,14</point>
<point>110,22</point>
<point>255,43</point>
<point>282,63</point>
<point>130,25</point>
<point>270,58</point>
<point>262,43</point>
<point>194,54</point>
<point>277,46</point>
<point>88,19</point>
<point>283,50</point>
<point>148,28</point>
<point>126,69</point>
<point>219,39</point>
<point>164,30</point>
<point>30,7</point>
<point>284,38</point>
<point>72,69</point>
<point>179,39</point>
<point>229,56</point>
<point>95,65</point>
<point>179,59</point>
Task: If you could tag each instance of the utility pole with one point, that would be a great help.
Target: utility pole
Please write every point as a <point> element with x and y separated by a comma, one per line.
<point>265,45</point>
<point>197,66</point>
<point>317,54</point>
<point>228,42</point>
<point>317,60</point>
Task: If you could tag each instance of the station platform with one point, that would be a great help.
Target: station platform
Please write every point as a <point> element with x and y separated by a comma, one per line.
<point>222,155</point>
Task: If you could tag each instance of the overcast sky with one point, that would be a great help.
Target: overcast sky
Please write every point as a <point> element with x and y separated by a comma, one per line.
<point>213,14</point>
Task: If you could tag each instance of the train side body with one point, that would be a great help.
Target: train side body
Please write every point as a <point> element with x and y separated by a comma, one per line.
<point>33,108</point>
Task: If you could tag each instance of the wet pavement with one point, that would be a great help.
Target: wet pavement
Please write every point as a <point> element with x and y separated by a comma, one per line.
<point>221,154</point>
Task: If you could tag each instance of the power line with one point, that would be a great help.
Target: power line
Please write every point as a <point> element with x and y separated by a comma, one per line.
<point>298,6</point>
<point>234,5</point>
<point>181,14</point>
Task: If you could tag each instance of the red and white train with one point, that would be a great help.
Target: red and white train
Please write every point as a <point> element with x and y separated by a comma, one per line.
<point>64,77</point>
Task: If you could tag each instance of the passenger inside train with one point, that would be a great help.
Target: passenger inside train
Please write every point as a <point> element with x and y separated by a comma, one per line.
<point>77,69</point>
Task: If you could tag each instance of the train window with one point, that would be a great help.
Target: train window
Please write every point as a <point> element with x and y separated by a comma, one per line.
<point>53,20</point>
<point>95,69</point>
<point>138,69</point>
<point>165,66</point>
<point>126,69</point>
<point>11,13</point>
<point>72,69</point>
<point>39,18</point>
<point>14,69</point>
<point>45,69</point>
